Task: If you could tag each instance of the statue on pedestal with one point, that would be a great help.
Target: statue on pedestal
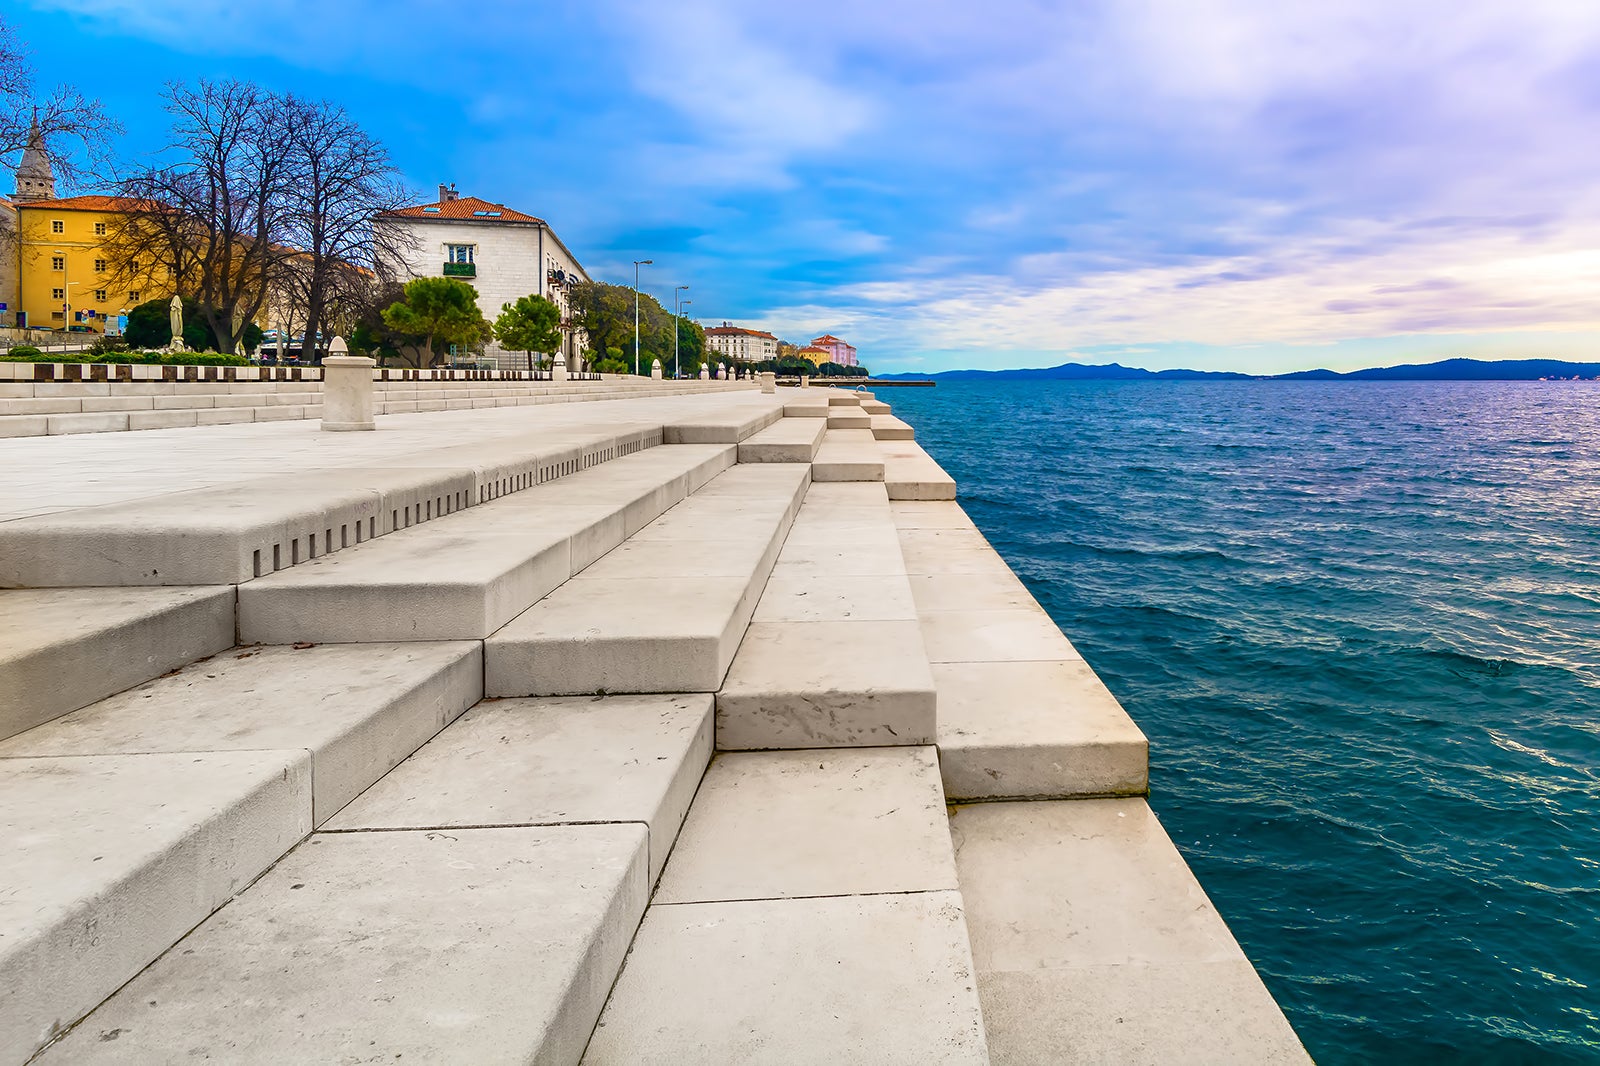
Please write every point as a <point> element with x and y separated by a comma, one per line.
<point>175,316</point>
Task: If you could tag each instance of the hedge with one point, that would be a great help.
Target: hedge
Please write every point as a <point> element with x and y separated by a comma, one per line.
<point>29,354</point>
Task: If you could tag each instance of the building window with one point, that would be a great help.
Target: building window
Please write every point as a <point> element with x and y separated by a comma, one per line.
<point>100,266</point>
<point>57,226</point>
<point>458,253</point>
<point>99,229</point>
<point>99,296</point>
<point>58,314</point>
<point>58,262</point>
<point>58,294</point>
<point>133,297</point>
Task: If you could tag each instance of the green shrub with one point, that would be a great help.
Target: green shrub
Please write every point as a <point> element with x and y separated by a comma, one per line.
<point>157,358</point>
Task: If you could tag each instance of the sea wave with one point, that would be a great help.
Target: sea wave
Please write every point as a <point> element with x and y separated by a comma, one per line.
<point>1359,628</point>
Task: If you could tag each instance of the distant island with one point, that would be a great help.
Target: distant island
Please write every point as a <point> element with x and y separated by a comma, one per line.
<point>1444,370</point>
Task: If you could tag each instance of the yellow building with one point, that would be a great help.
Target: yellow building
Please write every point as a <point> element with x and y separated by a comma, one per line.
<point>65,278</point>
<point>816,356</point>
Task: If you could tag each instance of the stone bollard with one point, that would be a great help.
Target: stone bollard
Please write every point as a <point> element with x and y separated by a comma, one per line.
<point>722,371</point>
<point>805,381</point>
<point>558,368</point>
<point>346,390</point>
<point>769,382</point>
<point>655,370</point>
<point>705,372</point>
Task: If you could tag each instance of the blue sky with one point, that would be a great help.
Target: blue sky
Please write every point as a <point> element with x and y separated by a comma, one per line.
<point>1238,185</point>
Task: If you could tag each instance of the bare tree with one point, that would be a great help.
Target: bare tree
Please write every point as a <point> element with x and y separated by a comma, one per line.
<point>215,216</point>
<point>66,122</point>
<point>339,179</point>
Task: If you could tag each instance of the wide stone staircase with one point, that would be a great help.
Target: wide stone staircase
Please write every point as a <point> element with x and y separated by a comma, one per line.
<point>620,748</point>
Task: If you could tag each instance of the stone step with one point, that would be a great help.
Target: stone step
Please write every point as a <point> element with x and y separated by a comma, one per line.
<point>62,649</point>
<point>847,455</point>
<point>808,914</point>
<point>663,613</point>
<point>1094,943</point>
<point>468,574</point>
<point>111,859</point>
<point>875,407</point>
<point>358,710</point>
<point>788,440</point>
<point>848,418</point>
<point>231,533</point>
<point>474,945</point>
<point>1021,715</point>
<point>131,820</point>
<point>846,398</point>
<point>561,760</point>
<point>911,474</point>
<point>722,425</point>
<point>888,427</point>
<point>805,406</point>
<point>835,656</point>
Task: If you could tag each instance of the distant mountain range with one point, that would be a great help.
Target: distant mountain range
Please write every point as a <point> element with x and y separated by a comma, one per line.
<point>1445,370</point>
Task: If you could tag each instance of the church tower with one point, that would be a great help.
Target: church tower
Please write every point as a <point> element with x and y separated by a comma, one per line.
<point>35,178</point>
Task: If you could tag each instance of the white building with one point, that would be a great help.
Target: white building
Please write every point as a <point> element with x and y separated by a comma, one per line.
<point>735,342</point>
<point>501,252</point>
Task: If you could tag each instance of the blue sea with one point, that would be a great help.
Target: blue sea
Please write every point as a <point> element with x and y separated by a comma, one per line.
<point>1360,624</point>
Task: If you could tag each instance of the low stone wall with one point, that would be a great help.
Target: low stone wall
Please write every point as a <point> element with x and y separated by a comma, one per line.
<point>17,371</point>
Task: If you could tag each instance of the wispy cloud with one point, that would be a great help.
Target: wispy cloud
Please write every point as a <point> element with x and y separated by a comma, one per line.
<point>1014,181</point>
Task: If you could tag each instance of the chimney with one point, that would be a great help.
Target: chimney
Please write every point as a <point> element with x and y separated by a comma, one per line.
<point>448,193</point>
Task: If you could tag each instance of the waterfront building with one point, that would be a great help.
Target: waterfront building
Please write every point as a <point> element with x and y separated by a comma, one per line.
<point>838,351</point>
<point>59,263</point>
<point>65,277</point>
<point>736,342</point>
<point>816,356</point>
<point>8,262</point>
<point>502,252</point>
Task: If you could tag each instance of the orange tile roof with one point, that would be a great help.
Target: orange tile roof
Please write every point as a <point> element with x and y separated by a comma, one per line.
<point>736,331</point>
<point>814,348</point>
<point>85,203</point>
<point>464,209</point>
<point>827,338</point>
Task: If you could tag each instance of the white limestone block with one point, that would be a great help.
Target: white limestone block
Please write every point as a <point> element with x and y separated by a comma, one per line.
<point>472,946</point>
<point>1094,943</point>
<point>358,709</point>
<point>827,684</point>
<point>555,761</point>
<point>852,980</point>
<point>788,440</point>
<point>61,649</point>
<point>1035,730</point>
<point>847,455</point>
<point>111,859</point>
<point>779,824</point>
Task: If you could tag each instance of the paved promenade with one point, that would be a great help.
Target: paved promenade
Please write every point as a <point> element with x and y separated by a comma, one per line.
<point>667,729</point>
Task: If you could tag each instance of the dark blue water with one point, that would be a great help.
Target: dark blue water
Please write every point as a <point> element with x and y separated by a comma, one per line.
<point>1360,623</point>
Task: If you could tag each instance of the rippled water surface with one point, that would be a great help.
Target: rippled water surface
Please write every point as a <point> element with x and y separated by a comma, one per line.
<point>1360,623</point>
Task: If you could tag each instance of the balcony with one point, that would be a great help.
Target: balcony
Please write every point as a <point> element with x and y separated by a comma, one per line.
<point>461,270</point>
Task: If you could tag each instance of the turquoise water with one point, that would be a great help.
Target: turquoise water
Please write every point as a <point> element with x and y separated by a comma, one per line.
<point>1360,623</point>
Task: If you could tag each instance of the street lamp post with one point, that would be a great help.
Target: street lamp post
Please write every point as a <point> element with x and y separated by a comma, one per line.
<point>685,304</point>
<point>637,263</point>
<point>677,309</point>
